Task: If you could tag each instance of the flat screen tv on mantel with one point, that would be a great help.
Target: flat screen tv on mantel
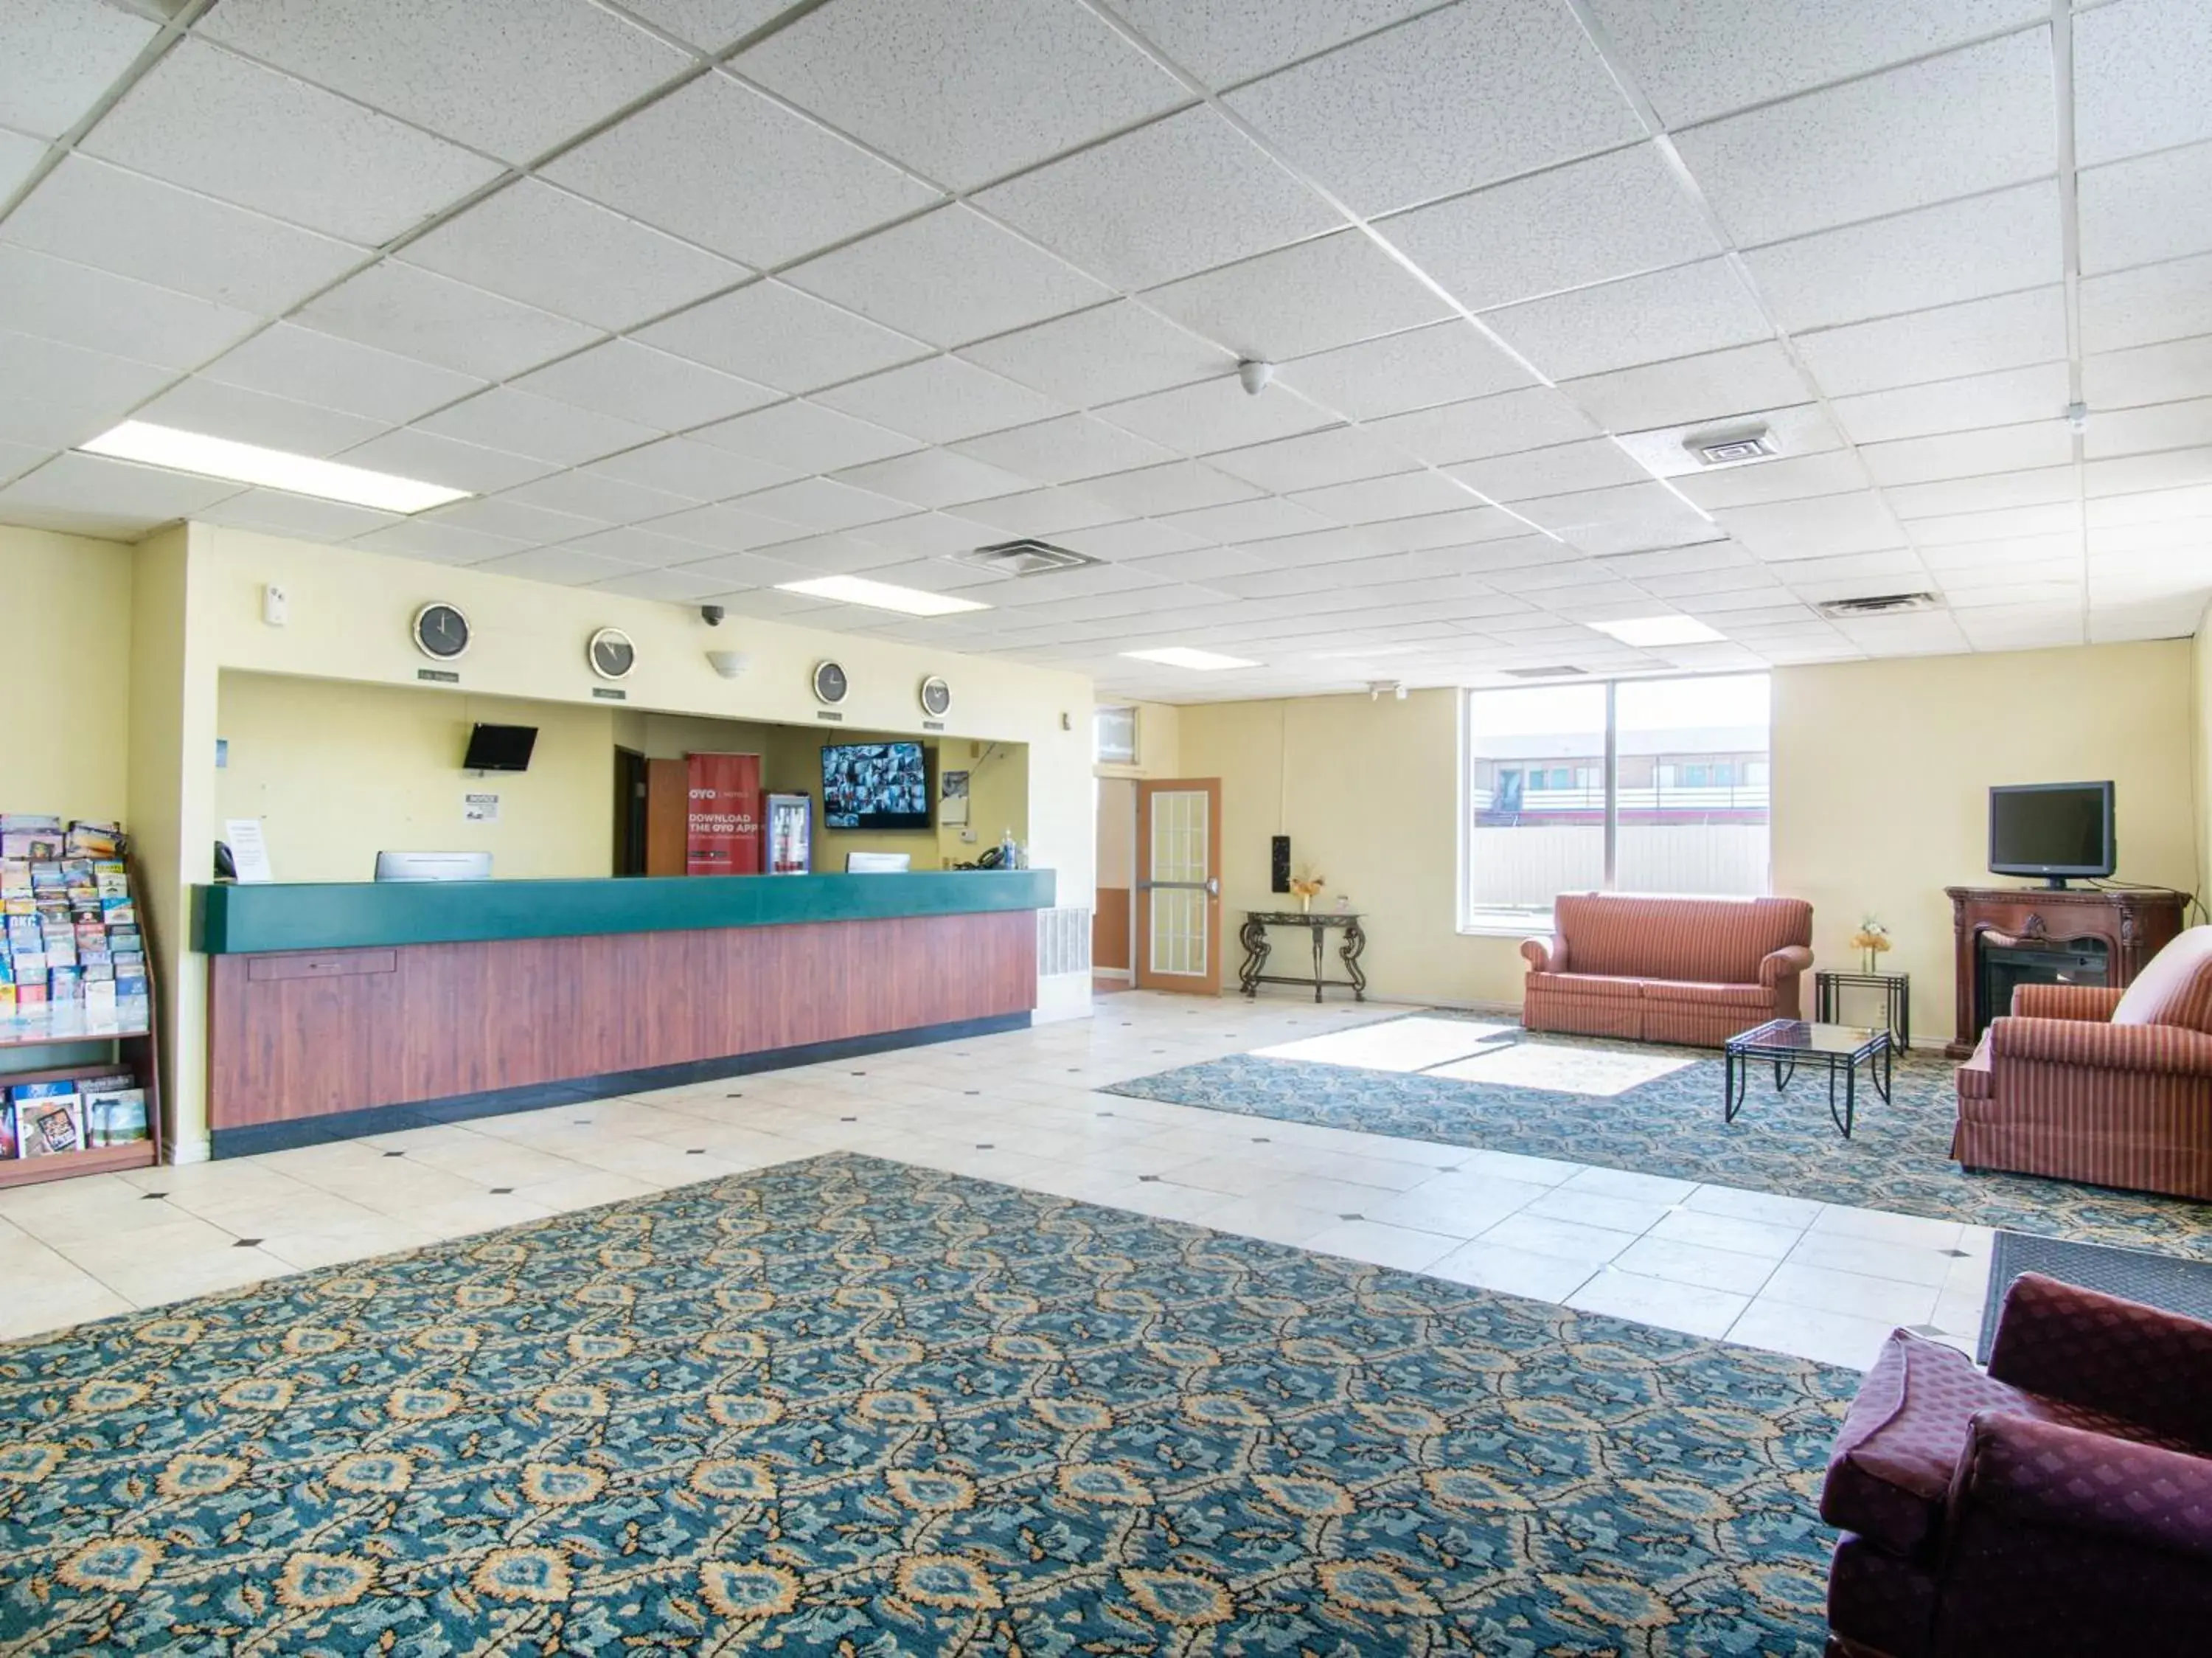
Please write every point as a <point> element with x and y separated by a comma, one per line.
<point>2054,830</point>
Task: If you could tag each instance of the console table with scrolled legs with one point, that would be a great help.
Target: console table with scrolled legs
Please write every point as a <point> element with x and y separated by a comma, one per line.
<point>1253,937</point>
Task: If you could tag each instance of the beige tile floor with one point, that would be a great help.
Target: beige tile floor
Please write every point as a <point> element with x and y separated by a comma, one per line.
<point>1785,1273</point>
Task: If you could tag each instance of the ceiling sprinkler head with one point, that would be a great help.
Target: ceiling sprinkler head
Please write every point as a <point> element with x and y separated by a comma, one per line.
<point>1256,375</point>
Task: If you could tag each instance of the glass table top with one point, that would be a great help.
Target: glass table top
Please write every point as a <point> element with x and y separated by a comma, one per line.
<point>1789,1036</point>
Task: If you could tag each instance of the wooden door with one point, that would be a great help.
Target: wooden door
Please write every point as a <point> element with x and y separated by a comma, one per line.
<point>630,812</point>
<point>1178,931</point>
<point>667,815</point>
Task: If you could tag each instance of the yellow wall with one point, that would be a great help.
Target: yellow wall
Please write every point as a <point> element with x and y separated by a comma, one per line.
<point>64,736</point>
<point>1882,770</point>
<point>1159,743</point>
<point>2199,748</point>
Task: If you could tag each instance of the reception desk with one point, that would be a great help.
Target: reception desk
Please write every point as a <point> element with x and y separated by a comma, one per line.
<point>351,1009</point>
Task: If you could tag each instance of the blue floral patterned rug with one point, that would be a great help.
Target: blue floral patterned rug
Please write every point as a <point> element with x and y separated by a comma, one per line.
<point>850,1406</point>
<point>1899,1157</point>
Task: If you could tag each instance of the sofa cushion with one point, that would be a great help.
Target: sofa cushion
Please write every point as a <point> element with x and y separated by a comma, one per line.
<point>1974,1076</point>
<point>1585,984</point>
<point>2175,988</point>
<point>1753,997</point>
<point>1703,939</point>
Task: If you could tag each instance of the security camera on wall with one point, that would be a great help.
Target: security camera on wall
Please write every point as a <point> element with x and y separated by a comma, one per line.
<point>712,614</point>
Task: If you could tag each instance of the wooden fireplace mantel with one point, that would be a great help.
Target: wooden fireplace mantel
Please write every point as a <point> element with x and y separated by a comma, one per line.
<point>2134,924</point>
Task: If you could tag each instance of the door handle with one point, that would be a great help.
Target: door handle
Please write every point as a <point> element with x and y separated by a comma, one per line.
<point>1213,886</point>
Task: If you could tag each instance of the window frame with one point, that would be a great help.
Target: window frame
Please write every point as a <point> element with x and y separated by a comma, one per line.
<point>1523,927</point>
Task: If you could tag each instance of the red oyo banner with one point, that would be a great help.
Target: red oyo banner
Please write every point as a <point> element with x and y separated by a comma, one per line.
<point>722,835</point>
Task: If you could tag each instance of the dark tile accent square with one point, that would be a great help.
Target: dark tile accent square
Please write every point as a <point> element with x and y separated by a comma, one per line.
<point>148,1197</point>
<point>502,1192</point>
<point>247,1243</point>
<point>1261,1140</point>
<point>695,1151</point>
<point>395,1154</point>
<point>1352,1217</point>
<point>848,1119</point>
<point>971,1091</point>
<point>1956,1254</point>
<point>985,1145</point>
<point>1148,1179</point>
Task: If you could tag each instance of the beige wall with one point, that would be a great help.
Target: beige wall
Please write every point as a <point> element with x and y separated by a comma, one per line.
<point>65,738</point>
<point>1159,743</point>
<point>1882,770</point>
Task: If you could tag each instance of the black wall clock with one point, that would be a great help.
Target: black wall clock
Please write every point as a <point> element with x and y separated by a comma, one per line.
<point>829,682</point>
<point>440,631</point>
<point>610,652</point>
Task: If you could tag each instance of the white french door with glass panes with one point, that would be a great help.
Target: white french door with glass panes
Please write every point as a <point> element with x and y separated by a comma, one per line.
<point>1178,923</point>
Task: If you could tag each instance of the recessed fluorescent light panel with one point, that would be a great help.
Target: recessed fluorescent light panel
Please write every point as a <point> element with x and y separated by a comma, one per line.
<point>880,595</point>
<point>277,469</point>
<point>1646,631</point>
<point>1206,661</point>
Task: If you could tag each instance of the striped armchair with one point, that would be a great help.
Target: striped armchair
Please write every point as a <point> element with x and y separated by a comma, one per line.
<point>2108,1087</point>
<point>1690,969</point>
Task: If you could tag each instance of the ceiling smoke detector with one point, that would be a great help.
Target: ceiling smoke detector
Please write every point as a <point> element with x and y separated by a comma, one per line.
<point>1882,604</point>
<point>1027,557</point>
<point>1732,447</point>
<point>1541,673</point>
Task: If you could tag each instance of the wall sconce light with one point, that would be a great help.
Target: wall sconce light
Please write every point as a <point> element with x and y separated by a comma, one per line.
<point>729,663</point>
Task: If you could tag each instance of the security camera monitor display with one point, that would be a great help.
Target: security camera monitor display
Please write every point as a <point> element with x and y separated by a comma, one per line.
<point>875,785</point>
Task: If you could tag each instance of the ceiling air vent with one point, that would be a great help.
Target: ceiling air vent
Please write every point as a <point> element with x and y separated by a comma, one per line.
<point>1027,557</point>
<point>1732,447</point>
<point>1541,672</point>
<point>1883,604</point>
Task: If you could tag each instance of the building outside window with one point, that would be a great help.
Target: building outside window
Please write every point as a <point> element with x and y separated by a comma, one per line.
<point>1634,785</point>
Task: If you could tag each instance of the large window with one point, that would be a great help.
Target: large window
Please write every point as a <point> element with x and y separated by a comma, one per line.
<point>1640,785</point>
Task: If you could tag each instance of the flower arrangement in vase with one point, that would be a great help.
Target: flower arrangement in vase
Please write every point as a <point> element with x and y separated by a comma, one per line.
<point>1872,939</point>
<point>1307,888</point>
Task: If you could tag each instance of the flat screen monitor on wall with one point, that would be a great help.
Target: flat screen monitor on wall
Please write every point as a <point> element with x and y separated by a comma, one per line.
<point>875,785</point>
<point>2053,830</point>
<point>500,748</point>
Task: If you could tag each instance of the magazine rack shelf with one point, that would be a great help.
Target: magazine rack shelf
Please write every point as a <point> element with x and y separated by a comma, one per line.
<point>132,1050</point>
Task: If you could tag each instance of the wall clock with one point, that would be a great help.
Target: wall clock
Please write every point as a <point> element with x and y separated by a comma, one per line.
<point>440,631</point>
<point>936,697</point>
<point>610,652</point>
<point>829,682</point>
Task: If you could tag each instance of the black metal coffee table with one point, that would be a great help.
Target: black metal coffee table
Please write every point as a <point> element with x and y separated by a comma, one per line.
<point>1789,1041</point>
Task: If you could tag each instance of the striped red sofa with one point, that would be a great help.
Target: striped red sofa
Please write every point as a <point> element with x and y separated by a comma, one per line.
<point>2109,1086</point>
<point>1692,970</point>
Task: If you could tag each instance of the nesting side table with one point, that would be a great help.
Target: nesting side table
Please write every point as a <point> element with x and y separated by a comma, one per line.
<point>1828,987</point>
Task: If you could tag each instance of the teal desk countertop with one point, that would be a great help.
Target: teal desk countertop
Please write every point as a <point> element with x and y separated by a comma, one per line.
<point>248,920</point>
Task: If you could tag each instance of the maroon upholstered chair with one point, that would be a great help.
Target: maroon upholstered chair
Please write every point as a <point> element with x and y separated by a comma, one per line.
<point>2059,1506</point>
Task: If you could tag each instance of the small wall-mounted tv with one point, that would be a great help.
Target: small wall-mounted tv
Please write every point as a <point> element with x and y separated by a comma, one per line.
<point>500,748</point>
<point>2053,830</point>
<point>875,785</point>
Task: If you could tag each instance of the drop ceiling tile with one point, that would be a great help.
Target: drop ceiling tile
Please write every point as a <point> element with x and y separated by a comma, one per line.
<point>622,377</point>
<point>57,57</point>
<point>2156,426</point>
<point>308,366</point>
<point>1225,41</point>
<point>930,575</point>
<point>2135,474</point>
<point>726,527</point>
<point>59,395</point>
<point>499,515</point>
<point>564,565</point>
<point>1333,291</point>
<point>1996,561</point>
<point>800,187</point>
<point>397,307</point>
<point>1445,362</point>
<point>1337,454</point>
<point>2010,524</point>
<point>2036,487</point>
<point>1612,215</point>
<point>18,157</point>
<point>1948,342</point>
<point>1969,120</point>
<point>1373,500</point>
<point>1664,315</point>
<point>255,417</point>
<point>1040,512</point>
<point>1101,356</point>
<point>2008,397</point>
<point>811,555</point>
<point>2167,372</point>
<point>673,587</point>
<point>949,276</point>
<point>420,454</point>
<point>443,543</point>
<point>1258,520</point>
<point>2143,307</point>
<point>1965,455</point>
<point>2140,71</point>
<point>1961,250</point>
<point>104,217</point>
<point>16,459</point>
<point>96,486</point>
<point>1180,195</point>
<point>472,71</point>
<point>1215,414</point>
<point>926,535</point>
<point>1177,486</point>
<point>78,305</point>
<point>589,493</point>
<point>941,400</point>
<point>696,472</point>
<point>935,478</point>
<point>503,418</point>
<point>782,338</point>
<point>2153,207</point>
<point>821,503</point>
<point>1669,451</point>
<point>1465,96</point>
<point>272,512</point>
<point>212,122</point>
<point>1134,538</point>
<point>1202,565</point>
<point>1831,524</point>
<point>805,437</point>
<point>1066,450</point>
<point>1593,464</point>
<point>1791,478</point>
<point>711,26</point>
<point>2156,507</point>
<point>548,248</point>
<point>964,93</point>
<point>1463,526</point>
<point>1632,518</point>
<point>1535,418</point>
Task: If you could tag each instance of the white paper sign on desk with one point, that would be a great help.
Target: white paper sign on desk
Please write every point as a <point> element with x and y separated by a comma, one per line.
<point>249,852</point>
